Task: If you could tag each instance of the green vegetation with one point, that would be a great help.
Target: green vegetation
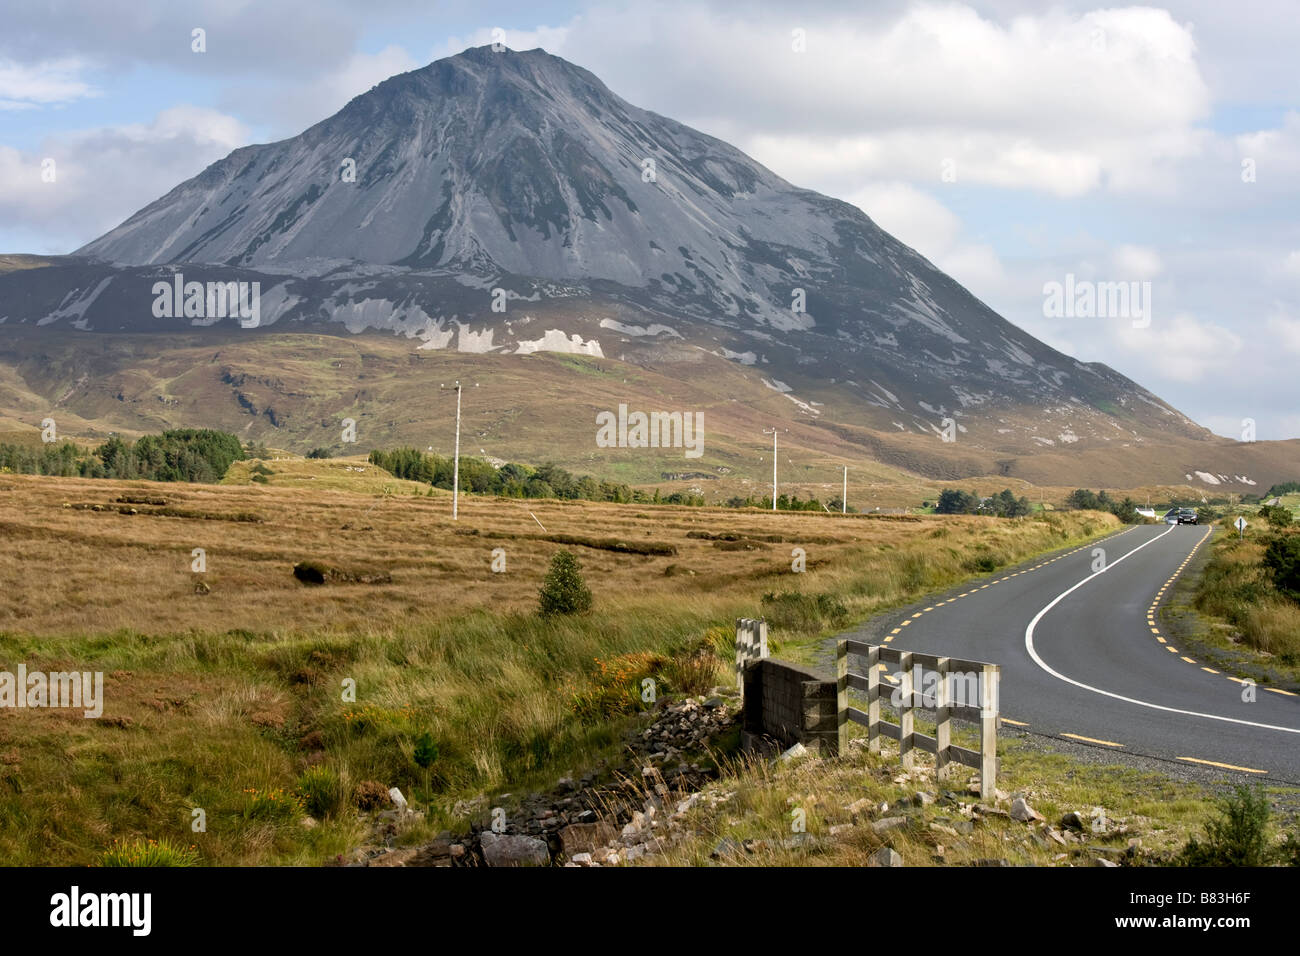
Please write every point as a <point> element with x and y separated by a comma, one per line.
<point>509,481</point>
<point>1238,835</point>
<point>181,454</point>
<point>1253,583</point>
<point>564,591</point>
<point>149,853</point>
<point>1002,505</point>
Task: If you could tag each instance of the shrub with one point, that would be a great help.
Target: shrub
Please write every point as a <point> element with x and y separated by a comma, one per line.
<point>615,688</point>
<point>1237,836</point>
<point>319,453</point>
<point>563,591</point>
<point>792,610</point>
<point>149,853</point>
<point>1282,559</point>
<point>371,795</point>
<point>322,791</point>
<point>276,805</point>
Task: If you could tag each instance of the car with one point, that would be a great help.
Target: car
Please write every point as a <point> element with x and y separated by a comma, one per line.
<point>1188,516</point>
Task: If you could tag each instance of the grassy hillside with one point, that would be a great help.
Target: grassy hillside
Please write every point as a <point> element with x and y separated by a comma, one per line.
<point>224,690</point>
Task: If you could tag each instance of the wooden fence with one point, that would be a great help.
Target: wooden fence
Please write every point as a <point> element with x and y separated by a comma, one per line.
<point>963,690</point>
<point>751,645</point>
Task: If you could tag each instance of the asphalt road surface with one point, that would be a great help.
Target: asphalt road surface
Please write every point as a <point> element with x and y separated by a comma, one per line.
<point>1083,657</point>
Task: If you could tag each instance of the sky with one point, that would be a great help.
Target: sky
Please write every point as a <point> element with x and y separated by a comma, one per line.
<point>1016,145</point>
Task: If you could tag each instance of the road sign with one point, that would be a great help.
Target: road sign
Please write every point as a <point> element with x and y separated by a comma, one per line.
<point>1240,525</point>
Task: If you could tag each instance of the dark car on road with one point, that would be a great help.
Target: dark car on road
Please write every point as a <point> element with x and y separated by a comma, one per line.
<point>1188,516</point>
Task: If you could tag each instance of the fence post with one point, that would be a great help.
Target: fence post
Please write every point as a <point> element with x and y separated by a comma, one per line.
<point>740,657</point>
<point>943,723</point>
<point>906,715</point>
<point>842,695</point>
<point>762,637</point>
<point>989,731</point>
<point>873,700</point>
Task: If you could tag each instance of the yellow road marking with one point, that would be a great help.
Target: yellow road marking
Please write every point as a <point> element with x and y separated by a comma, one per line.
<point>1016,723</point>
<point>1225,766</point>
<point>1274,690</point>
<point>1189,660</point>
<point>1093,740</point>
<point>1209,670</point>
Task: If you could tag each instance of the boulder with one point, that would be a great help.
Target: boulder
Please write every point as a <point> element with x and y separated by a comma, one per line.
<point>885,856</point>
<point>513,849</point>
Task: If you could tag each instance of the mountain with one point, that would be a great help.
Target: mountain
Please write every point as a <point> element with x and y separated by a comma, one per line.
<point>509,203</point>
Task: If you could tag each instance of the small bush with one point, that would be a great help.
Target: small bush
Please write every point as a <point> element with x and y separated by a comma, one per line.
<point>322,791</point>
<point>795,611</point>
<point>276,805</point>
<point>371,795</point>
<point>319,453</point>
<point>564,591</point>
<point>149,853</point>
<point>1237,836</point>
<point>615,688</point>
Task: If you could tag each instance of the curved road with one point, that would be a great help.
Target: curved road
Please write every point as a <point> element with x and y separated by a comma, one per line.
<point>1083,656</point>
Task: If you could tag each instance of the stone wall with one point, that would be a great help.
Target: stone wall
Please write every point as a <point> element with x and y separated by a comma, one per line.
<point>791,705</point>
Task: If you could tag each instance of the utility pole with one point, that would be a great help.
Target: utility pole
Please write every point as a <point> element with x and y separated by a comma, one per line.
<point>774,431</point>
<point>844,495</point>
<point>455,468</point>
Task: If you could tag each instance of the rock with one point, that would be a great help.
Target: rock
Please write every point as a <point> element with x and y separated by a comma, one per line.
<point>1022,812</point>
<point>1099,861</point>
<point>837,828</point>
<point>513,849</point>
<point>1072,821</point>
<point>457,850</point>
<point>564,785</point>
<point>713,703</point>
<point>394,857</point>
<point>726,847</point>
<point>798,750</point>
<point>862,807</point>
<point>885,856</point>
<point>885,824</point>
<point>308,823</point>
<point>922,798</point>
<point>581,859</point>
<point>1002,861</point>
<point>1053,834</point>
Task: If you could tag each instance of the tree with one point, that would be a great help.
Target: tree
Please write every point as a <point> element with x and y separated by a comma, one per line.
<point>953,501</point>
<point>1282,559</point>
<point>563,591</point>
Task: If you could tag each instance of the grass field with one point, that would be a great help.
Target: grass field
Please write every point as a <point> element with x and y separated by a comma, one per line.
<point>224,689</point>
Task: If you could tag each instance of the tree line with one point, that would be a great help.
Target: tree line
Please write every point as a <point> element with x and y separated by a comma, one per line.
<point>181,454</point>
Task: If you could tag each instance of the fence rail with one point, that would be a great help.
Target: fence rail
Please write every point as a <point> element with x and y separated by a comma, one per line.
<point>961,690</point>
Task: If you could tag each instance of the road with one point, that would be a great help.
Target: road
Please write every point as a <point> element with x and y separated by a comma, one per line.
<point>1083,656</point>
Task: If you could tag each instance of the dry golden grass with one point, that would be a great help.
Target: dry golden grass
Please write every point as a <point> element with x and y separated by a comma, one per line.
<point>71,571</point>
<point>209,695</point>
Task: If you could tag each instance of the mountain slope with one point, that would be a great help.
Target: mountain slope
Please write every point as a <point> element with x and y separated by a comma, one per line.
<point>612,232</point>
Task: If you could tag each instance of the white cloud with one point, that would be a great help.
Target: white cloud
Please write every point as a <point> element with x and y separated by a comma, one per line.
<point>1058,102</point>
<point>1137,263</point>
<point>1181,349</point>
<point>104,175</point>
<point>28,86</point>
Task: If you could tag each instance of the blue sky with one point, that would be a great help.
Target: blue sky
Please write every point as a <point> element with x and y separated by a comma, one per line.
<point>1103,142</point>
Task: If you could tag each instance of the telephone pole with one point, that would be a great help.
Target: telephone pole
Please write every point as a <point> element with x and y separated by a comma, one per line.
<point>844,495</point>
<point>455,468</point>
<point>774,431</point>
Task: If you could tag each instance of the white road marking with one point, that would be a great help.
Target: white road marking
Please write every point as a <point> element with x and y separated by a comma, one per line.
<point>1029,646</point>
